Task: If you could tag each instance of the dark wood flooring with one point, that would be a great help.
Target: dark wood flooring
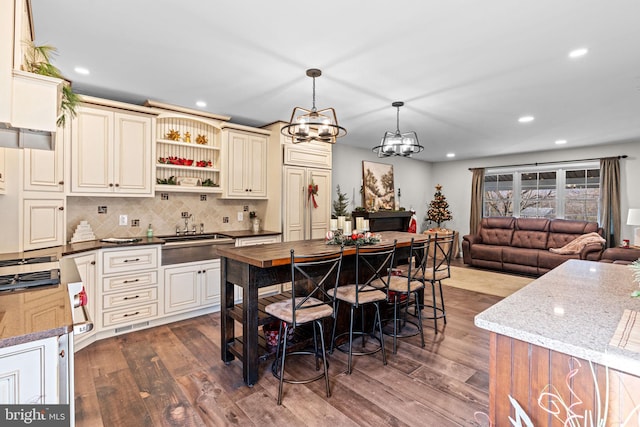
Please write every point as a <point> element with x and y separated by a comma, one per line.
<point>172,375</point>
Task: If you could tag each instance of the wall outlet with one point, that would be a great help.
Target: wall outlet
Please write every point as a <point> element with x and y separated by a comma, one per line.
<point>245,208</point>
<point>124,220</point>
<point>135,223</point>
<point>225,219</point>
<point>185,214</point>
<point>240,216</point>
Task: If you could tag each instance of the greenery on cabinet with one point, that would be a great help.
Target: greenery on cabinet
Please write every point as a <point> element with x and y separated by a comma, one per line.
<point>340,205</point>
<point>438,211</point>
<point>37,60</point>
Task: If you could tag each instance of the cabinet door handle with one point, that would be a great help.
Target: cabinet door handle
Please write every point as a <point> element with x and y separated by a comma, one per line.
<point>128,298</point>
<point>131,281</point>
<point>61,208</point>
<point>60,182</point>
<point>110,184</point>
<point>93,263</point>
<point>131,314</point>
<point>117,185</point>
<point>132,260</point>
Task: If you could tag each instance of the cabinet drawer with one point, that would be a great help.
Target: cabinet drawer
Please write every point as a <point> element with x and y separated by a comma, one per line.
<point>128,281</point>
<point>129,315</point>
<point>129,298</point>
<point>130,259</point>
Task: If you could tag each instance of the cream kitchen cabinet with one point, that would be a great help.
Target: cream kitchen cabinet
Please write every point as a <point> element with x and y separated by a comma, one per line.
<point>191,286</point>
<point>29,373</point>
<point>43,170</point>
<point>112,152</point>
<point>301,219</point>
<point>43,222</point>
<point>129,292</point>
<point>246,166</point>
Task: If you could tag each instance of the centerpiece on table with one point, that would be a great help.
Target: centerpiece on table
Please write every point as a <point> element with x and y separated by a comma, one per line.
<point>356,237</point>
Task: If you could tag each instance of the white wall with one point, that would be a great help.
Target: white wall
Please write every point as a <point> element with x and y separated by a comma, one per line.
<point>411,176</point>
<point>417,179</point>
<point>456,177</point>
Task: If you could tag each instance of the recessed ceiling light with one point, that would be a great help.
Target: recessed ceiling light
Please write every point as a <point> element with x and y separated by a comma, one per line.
<point>201,104</point>
<point>577,53</point>
<point>82,70</point>
<point>451,155</point>
<point>561,141</point>
<point>526,119</point>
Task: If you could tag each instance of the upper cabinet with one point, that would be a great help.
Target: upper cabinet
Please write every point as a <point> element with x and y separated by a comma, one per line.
<point>2,172</point>
<point>43,169</point>
<point>246,164</point>
<point>111,152</point>
<point>28,100</point>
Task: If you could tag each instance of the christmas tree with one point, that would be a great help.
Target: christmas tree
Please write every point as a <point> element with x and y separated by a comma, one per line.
<point>340,205</point>
<point>438,208</point>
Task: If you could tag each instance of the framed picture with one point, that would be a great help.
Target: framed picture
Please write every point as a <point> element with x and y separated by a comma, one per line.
<point>377,186</point>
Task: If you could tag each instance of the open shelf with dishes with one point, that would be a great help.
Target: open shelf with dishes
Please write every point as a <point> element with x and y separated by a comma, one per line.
<point>187,155</point>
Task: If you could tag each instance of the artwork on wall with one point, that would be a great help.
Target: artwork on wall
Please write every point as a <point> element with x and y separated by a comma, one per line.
<point>377,186</point>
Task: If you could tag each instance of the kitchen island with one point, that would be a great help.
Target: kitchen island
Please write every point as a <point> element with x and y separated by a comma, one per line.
<point>254,267</point>
<point>551,351</point>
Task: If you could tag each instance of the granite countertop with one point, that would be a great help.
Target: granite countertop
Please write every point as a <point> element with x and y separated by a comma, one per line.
<point>249,233</point>
<point>573,309</point>
<point>30,315</point>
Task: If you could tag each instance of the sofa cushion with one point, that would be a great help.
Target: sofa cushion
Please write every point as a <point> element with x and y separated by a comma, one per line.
<point>497,230</point>
<point>487,252</point>
<point>521,256</point>
<point>530,233</point>
<point>549,260</point>
<point>563,231</point>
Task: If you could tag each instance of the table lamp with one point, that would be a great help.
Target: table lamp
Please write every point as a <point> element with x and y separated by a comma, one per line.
<point>634,219</point>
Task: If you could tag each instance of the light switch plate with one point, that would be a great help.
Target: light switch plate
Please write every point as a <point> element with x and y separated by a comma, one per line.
<point>124,220</point>
<point>240,216</point>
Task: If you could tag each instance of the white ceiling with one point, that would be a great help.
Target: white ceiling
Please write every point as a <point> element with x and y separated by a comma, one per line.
<point>466,69</point>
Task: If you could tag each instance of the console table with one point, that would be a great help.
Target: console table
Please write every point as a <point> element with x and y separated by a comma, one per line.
<point>385,220</point>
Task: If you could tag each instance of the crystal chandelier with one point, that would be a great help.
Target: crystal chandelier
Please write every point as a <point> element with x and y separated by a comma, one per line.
<point>398,143</point>
<point>313,125</point>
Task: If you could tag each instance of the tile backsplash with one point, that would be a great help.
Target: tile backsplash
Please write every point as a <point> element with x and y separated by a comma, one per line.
<point>163,213</point>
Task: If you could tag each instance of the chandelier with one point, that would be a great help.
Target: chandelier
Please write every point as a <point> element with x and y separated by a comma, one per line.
<point>398,143</point>
<point>313,125</point>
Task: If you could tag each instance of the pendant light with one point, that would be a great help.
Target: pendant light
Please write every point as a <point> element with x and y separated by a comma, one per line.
<point>313,125</point>
<point>398,143</point>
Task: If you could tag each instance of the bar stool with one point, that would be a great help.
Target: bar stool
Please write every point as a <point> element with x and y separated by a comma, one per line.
<point>404,292</point>
<point>310,303</point>
<point>372,273</point>
<point>438,269</point>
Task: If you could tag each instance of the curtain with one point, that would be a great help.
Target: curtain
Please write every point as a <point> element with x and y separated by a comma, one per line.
<point>477,184</point>
<point>610,200</point>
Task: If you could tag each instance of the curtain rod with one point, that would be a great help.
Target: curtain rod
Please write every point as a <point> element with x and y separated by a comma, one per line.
<point>624,156</point>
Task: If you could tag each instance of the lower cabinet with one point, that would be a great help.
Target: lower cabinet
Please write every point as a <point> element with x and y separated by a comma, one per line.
<point>29,373</point>
<point>87,264</point>
<point>191,286</point>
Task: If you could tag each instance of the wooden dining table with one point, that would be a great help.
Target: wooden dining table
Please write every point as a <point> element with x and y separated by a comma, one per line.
<point>254,267</point>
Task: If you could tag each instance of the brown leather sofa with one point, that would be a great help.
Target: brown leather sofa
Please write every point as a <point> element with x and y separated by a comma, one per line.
<point>620,255</point>
<point>521,245</point>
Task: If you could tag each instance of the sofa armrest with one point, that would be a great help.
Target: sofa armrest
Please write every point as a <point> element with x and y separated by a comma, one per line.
<point>472,238</point>
<point>592,251</point>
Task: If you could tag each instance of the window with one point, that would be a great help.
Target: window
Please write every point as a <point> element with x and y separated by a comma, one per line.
<point>570,192</point>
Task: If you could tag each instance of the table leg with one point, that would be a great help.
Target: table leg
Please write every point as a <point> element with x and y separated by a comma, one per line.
<point>250,328</point>
<point>226,322</point>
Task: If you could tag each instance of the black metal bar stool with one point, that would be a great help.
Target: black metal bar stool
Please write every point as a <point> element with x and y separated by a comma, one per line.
<point>310,302</point>
<point>438,269</point>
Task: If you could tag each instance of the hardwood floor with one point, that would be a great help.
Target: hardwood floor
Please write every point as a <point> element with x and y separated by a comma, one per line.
<point>172,375</point>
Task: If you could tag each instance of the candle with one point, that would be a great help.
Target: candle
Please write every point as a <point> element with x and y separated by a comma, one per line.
<point>341,222</point>
<point>334,224</point>
<point>359,222</point>
<point>365,225</point>
<point>347,228</point>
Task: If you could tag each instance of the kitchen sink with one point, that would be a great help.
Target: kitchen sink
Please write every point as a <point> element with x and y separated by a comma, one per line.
<point>193,247</point>
<point>196,238</point>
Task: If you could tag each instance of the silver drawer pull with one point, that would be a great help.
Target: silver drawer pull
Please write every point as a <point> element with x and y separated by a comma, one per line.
<point>126,298</point>
<point>131,281</point>
<point>132,260</point>
<point>132,314</point>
